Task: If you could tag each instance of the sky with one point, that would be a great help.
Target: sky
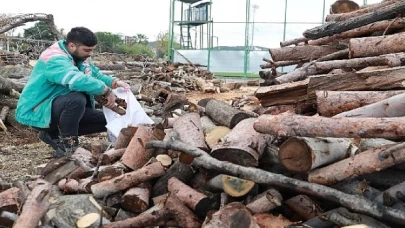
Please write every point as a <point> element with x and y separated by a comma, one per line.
<point>152,16</point>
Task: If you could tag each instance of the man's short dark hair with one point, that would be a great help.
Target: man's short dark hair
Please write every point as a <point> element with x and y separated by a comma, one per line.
<point>81,35</point>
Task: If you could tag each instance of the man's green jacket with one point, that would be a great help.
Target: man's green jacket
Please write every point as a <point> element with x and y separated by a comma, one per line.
<point>55,74</point>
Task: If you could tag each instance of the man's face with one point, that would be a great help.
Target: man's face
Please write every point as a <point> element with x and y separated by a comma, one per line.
<point>80,52</point>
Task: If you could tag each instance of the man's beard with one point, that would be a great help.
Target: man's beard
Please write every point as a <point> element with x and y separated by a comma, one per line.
<point>76,57</point>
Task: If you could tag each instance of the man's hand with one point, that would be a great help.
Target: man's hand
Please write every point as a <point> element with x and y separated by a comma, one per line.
<point>110,100</point>
<point>122,84</point>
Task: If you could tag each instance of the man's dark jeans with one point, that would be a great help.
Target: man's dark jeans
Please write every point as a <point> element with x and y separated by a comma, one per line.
<point>72,117</point>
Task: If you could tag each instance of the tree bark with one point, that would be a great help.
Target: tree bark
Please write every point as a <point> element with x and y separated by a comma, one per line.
<point>289,93</point>
<point>179,170</point>
<point>300,53</point>
<point>61,172</point>
<point>365,10</point>
<point>358,186</point>
<point>9,201</point>
<point>232,215</point>
<point>288,125</point>
<point>293,41</point>
<point>36,206</point>
<point>136,199</point>
<point>301,154</point>
<point>366,162</point>
<point>354,203</point>
<point>189,129</point>
<point>207,124</point>
<point>377,45</point>
<point>342,217</point>
<point>193,199</point>
<point>112,155</point>
<point>304,206</point>
<point>224,114</point>
<point>330,103</point>
<point>267,220</point>
<point>135,155</point>
<point>331,28</point>
<point>362,31</point>
<point>265,201</point>
<point>385,79</point>
<point>183,216</point>
<point>390,107</point>
<point>127,180</point>
<point>243,145</point>
<point>157,218</point>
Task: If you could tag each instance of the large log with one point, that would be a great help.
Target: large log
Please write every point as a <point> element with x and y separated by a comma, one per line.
<point>36,205</point>
<point>366,162</point>
<point>390,107</point>
<point>330,103</point>
<point>183,216</point>
<point>136,199</point>
<point>189,130</point>
<point>125,137</point>
<point>299,53</point>
<point>364,10</point>
<point>377,45</point>
<point>243,145</point>
<point>265,201</point>
<point>384,79</point>
<point>301,154</point>
<point>288,125</point>
<point>355,203</point>
<point>288,93</point>
<point>127,180</point>
<point>332,28</point>
<point>224,113</point>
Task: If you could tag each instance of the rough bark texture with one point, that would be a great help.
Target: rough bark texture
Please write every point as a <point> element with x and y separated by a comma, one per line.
<point>301,154</point>
<point>136,199</point>
<point>9,202</point>
<point>332,28</point>
<point>127,180</point>
<point>136,156</point>
<point>288,125</point>
<point>304,206</point>
<point>390,107</point>
<point>125,137</point>
<point>232,215</point>
<point>183,216</point>
<point>354,203</point>
<point>243,145</point>
<point>112,155</point>
<point>370,80</point>
<point>265,201</point>
<point>224,113</point>
<point>330,103</point>
<point>207,124</point>
<point>378,45</point>
<point>306,52</point>
<point>189,129</point>
<point>156,218</point>
<point>289,93</point>
<point>266,220</point>
<point>366,162</point>
<point>342,217</point>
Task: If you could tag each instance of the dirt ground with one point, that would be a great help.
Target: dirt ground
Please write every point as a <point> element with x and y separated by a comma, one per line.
<point>21,151</point>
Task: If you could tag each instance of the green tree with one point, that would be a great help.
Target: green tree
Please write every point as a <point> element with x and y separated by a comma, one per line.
<point>40,31</point>
<point>162,44</point>
<point>135,49</point>
<point>142,39</point>
<point>108,42</point>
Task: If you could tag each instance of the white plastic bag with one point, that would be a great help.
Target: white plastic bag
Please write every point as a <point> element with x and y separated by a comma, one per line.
<point>134,116</point>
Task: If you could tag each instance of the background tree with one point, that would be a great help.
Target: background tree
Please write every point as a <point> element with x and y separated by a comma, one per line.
<point>108,42</point>
<point>162,44</point>
<point>40,31</point>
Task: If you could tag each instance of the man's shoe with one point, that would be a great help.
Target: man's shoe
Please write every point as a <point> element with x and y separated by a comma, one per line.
<point>46,138</point>
<point>67,146</point>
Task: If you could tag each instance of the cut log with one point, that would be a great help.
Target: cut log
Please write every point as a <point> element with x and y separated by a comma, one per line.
<point>293,41</point>
<point>193,199</point>
<point>91,220</point>
<point>331,28</point>
<point>375,46</point>
<point>165,159</point>
<point>136,199</point>
<point>243,145</point>
<point>125,137</point>
<point>395,192</point>
<point>390,107</point>
<point>157,218</point>
<point>366,162</point>
<point>179,170</point>
<point>68,186</point>
<point>224,114</point>
<point>36,206</point>
<point>183,216</point>
<point>301,154</point>
<point>265,220</point>
<point>288,125</point>
<point>9,201</point>
<point>343,6</point>
<point>207,124</point>
<point>304,206</point>
<point>365,10</point>
<point>275,65</point>
<point>289,93</point>
<point>6,85</point>
<point>342,217</point>
<point>351,202</point>
<point>384,79</point>
<point>135,155</point>
<point>96,150</point>
<point>215,135</point>
<point>112,155</point>
<point>189,130</point>
<point>127,180</point>
<point>232,215</point>
<point>397,23</point>
<point>109,172</point>
<point>61,172</point>
<point>300,53</point>
<point>235,186</point>
<point>265,201</point>
<point>358,186</point>
<point>330,103</point>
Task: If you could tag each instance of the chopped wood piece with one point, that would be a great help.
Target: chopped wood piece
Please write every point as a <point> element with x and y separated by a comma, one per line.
<point>304,206</point>
<point>224,114</point>
<point>375,46</point>
<point>306,52</point>
<point>183,216</point>
<point>265,220</point>
<point>9,202</point>
<point>342,217</point>
<point>235,186</point>
<point>215,136</point>
<point>232,215</point>
<point>156,218</point>
<point>136,199</point>
<point>165,159</point>
<point>91,220</point>
<point>189,130</point>
<point>207,124</point>
<point>265,201</point>
<point>112,155</point>
<point>124,137</point>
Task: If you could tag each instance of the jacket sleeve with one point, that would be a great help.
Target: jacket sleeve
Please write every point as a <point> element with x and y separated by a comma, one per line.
<point>60,70</point>
<point>105,78</point>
